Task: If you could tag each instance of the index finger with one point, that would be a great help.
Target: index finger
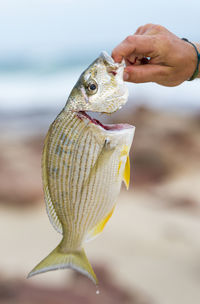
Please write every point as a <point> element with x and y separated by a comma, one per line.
<point>135,44</point>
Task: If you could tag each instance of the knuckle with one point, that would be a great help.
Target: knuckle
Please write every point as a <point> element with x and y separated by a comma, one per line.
<point>140,28</point>
<point>157,29</point>
<point>149,25</point>
<point>129,39</point>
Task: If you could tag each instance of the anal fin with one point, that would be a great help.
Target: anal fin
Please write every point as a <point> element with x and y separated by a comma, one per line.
<point>95,231</point>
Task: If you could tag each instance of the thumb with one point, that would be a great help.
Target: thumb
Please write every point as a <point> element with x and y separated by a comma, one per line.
<point>146,73</point>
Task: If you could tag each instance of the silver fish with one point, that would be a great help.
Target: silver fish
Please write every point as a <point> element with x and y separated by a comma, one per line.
<point>84,163</point>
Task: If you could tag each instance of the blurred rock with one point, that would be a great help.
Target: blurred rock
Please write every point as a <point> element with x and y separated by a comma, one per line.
<point>148,167</point>
<point>165,144</point>
<point>20,171</point>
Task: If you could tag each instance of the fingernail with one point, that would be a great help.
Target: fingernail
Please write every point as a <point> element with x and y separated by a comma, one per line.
<point>126,76</point>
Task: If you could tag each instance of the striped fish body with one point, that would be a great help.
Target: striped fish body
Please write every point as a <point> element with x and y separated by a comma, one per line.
<point>83,167</point>
<point>84,163</point>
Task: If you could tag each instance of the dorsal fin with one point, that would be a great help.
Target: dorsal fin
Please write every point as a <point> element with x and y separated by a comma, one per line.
<point>49,205</point>
<point>51,212</point>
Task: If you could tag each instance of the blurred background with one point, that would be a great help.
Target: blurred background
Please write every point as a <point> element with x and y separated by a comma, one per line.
<point>150,250</point>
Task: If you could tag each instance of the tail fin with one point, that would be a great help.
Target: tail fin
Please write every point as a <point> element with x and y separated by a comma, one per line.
<point>76,260</point>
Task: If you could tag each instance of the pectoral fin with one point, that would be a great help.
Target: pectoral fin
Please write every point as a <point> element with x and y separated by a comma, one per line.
<point>126,174</point>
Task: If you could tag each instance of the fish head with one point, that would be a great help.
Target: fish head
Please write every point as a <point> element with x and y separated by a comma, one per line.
<point>100,87</point>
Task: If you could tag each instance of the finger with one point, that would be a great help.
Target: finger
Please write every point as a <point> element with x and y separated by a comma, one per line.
<point>127,62</point>
<point>146,73</point>
<point>136,60</point>
<point>142,29</point>
<point>132,58</point>
<point>139,30</point>
<point>136,44</point>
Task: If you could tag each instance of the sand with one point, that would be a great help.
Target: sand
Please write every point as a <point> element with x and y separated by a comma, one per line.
<point>148,247</point>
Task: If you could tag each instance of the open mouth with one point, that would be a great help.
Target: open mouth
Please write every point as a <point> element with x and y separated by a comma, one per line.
<point>108,127</point>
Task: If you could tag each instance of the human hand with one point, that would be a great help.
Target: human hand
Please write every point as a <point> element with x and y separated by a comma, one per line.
<point>171,60</point>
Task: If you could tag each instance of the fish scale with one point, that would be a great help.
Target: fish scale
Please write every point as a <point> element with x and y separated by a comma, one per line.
<point>83,165</point>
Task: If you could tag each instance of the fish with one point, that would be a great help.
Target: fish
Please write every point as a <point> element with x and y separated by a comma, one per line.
<point>84,163</point>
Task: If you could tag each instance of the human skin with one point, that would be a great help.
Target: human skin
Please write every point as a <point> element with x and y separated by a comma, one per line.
<point>171,60</point>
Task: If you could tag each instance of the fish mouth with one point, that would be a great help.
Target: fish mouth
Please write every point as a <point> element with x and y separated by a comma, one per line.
<point>110,61</point>
<point>107,127</point>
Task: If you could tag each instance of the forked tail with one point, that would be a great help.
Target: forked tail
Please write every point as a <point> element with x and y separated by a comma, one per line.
<point>76,260</point>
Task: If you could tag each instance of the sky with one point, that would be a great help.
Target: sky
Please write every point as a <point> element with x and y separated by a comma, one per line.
<point>57,39</point>
<point>47,28</point>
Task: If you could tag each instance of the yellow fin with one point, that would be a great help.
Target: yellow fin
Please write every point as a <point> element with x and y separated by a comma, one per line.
<point>99,227</point>
<point>76,260</point>
<point>126,175</point>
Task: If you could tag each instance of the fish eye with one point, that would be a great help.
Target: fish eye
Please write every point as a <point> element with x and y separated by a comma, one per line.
<point>92,87</point>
